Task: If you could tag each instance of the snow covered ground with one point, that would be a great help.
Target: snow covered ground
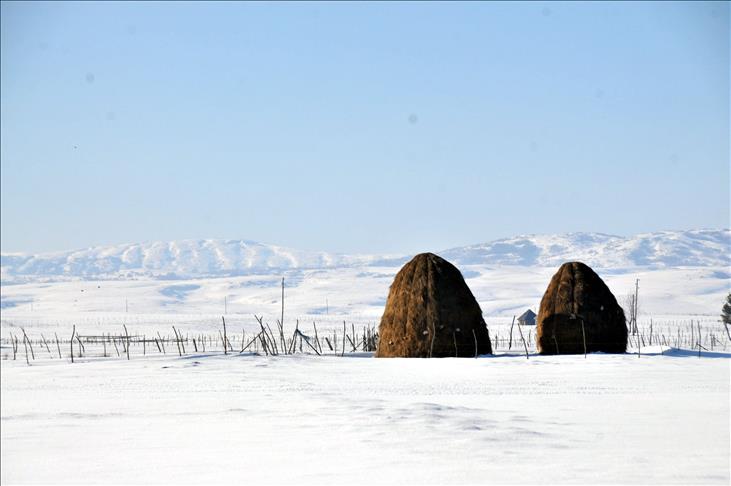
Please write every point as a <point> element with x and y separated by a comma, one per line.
<point>355,294</point>
<point>662,417</point>
<point>306,419</point>
<point>172,283</point>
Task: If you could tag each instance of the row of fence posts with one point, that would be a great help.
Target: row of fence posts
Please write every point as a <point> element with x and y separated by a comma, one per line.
<point>274,344</point>
<point>265,340</point>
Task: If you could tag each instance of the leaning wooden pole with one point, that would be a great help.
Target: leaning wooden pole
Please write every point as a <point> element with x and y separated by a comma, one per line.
<point>510,341</point>
<point>126,334</point>
<point>25,338</point>
<point>26,349</point>
<point>177,341</point>
<point>73,333</point>
<point>525,346</point>
<point>46,344</point>
<point>225,339</point>
<point>58,346</point>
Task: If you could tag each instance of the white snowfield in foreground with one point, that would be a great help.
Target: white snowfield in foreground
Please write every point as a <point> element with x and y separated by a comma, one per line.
<point>354,419</point>
<point>660,418</point>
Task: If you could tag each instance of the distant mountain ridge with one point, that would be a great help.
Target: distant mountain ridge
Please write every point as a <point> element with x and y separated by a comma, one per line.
<point>691,248</point>
<point>210,258</point>
<point>174,259</point>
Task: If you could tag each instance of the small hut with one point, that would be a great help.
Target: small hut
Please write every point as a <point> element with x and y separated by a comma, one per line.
<point>579,314</point>
<point>430,312</point>
<point>527,318</point>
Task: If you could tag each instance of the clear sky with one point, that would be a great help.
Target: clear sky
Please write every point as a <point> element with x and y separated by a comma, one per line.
<point>360,127</point>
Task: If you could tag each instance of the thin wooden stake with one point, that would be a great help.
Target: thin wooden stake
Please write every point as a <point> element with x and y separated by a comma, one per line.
<point>272,341</point>
<point>317,340</point>
<point>162,343</point>
<point>433,335</point>
<point>245,347</point>
<point>475,336</point>
<point>127,336</point>
<point>510,342</point>
<point>344,335</point>
<point>307,341</point>
<point>26,349</point>
<point>73,332</point>
<point>58,346</point>
<point>46,344</point>
<point>525,346</point>
<point>25,338</point>
<point>225,349</point>
<point>177,341</point>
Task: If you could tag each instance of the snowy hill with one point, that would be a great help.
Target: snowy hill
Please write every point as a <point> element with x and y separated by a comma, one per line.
<point>666,249</point>
<point>210,258</point>
<point>175,259</point>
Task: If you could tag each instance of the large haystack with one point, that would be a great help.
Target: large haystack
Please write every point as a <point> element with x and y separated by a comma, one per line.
<point>576,296</point>
<point>430,311</point>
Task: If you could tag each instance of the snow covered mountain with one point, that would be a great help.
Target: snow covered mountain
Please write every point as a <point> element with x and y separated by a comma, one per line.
<point>175,259</point>
<point>210,258</point>
<point>665,249</point>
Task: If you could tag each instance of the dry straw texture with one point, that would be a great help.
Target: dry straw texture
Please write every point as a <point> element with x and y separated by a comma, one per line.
<point>577,297</point>
<point>430,312</point>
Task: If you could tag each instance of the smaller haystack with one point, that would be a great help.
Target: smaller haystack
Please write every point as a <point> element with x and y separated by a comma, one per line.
<point>579,308</point>
<point>430,312</point>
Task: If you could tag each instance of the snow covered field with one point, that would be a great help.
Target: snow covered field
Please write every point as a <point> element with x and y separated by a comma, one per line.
<point>355,294</point>
<point>209,418</point>
<point>192,283</point>
<point>307,419</point>
<point>671,299</point>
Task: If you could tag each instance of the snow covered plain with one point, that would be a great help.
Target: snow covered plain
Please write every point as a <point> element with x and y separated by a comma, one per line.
<point>327,296</point>
<point>306,419</point>
<point>660,418</point>
<point>682,272</point>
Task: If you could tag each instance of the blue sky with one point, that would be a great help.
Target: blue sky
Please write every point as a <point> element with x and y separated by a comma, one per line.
<point>360,127</point>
